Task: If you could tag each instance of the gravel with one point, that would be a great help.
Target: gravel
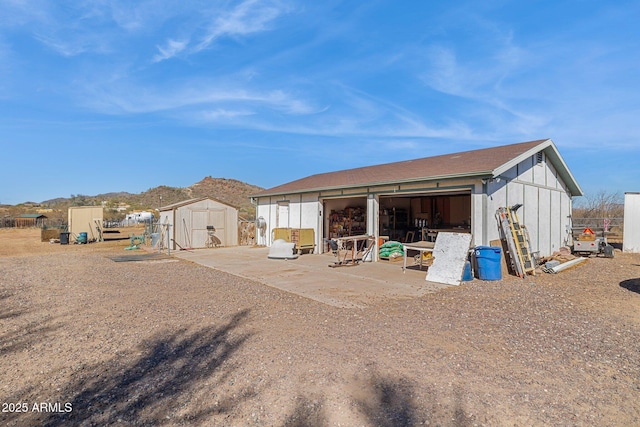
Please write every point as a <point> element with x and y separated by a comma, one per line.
<point>89,341</point>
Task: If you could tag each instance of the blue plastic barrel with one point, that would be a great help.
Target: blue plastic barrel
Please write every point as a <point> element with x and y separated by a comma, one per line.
<point>488,260</point>
<point>82,237</point>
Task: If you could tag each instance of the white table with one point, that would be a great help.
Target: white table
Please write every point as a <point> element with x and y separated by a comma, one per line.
<point>415,246</point>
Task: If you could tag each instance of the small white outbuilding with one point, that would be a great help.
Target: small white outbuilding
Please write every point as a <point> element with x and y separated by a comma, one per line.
<point>200,223</point>
<point>631,239</point>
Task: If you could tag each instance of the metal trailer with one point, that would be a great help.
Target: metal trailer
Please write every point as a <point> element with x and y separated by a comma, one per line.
<point>589,242</point>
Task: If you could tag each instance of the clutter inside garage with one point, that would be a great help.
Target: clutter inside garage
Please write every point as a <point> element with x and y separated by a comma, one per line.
<point>405,218</point>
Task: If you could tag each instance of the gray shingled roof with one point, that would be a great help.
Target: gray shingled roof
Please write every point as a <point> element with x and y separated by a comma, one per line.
<point>475,163</point>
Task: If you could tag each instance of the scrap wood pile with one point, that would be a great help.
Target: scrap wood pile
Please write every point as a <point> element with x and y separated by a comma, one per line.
<point>559,260</point>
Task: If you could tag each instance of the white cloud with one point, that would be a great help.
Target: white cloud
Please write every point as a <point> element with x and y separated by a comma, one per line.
<point>223,114</point>
<point>122,97</point>
<point>62,47</point>
<point>250,16</point>
<point>171,49</point>
<point>141,15</point>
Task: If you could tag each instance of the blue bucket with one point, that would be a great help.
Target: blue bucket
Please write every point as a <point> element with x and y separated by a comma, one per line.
<point>488,260</point>
<point>82,237</point>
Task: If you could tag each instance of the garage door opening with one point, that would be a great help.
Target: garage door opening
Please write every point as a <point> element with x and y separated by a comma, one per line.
<point>417,217</point>
<point>345,217</point>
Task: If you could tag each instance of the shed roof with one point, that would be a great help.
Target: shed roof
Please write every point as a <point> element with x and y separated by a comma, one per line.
<point>191,201</point>
<point>32,216</point>
<point>487,162</point>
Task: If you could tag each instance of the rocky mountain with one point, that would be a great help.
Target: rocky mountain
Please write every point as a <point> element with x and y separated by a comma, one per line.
<point>231,191</point>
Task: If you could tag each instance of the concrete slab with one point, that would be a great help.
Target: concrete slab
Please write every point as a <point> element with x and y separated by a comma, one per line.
<point>310,275</point>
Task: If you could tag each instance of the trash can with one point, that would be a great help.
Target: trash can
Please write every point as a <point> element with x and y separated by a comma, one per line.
<point>64,237</point>
<point>488,261</point>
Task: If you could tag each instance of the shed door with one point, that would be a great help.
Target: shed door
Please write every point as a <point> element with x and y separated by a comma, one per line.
<point>200,219</point>
<point>218,218</point>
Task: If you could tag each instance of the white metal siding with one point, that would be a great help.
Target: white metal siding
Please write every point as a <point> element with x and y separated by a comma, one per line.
<point>539,172</point>
<point>631,239</point>
<point>537,223</point>
<point>310,213</point>
<point>480,223</point>
<point>544,220</point>
<point>556,236</point>
<point>525,170</point>
<point>552,176</point>
<point>546,204</point>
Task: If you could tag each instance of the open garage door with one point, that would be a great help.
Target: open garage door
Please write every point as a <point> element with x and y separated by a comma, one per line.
<point>345,217</point>
<point>421,216</point>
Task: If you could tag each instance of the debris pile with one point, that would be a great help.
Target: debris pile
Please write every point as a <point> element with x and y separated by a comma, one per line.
<point>559,260</point>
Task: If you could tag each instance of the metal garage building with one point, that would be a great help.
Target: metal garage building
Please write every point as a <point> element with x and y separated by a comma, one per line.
<point>459,191</point>
<point>196,223</point>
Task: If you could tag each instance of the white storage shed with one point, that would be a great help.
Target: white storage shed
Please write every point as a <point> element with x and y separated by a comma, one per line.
<point>200,223</point>
<point>458,192</point>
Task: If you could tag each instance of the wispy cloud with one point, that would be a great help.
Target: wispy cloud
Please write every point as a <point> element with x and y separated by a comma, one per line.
<point>145,16</point>
<point>250,16</point>
<point>125,97</point>
<point>223,114</point>
<point>66,48</point>
<point>171,49</point>
<point>246,18</point>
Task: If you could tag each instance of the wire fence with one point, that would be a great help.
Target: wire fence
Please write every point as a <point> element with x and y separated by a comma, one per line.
<point>614,227</point>
<point>8,222</point>
<point>605,223</point>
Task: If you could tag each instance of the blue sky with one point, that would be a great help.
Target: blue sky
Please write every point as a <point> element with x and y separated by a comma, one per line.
<point>100,96</point>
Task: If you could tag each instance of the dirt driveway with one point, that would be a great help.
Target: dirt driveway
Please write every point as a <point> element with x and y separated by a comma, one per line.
<point>85,340</point>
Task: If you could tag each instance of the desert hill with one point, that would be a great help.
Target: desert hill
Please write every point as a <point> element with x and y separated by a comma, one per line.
<point>231,191</point>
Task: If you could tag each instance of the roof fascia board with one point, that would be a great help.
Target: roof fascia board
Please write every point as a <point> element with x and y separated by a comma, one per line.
<point>181,204</point>
<point>191,201</point>
<point>564,172</point>
<point>478,175</point>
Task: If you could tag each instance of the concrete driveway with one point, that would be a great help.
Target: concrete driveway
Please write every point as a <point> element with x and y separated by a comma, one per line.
<point>310,275</point>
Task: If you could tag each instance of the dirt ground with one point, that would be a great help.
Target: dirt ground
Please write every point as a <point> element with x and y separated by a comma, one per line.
<point>85,340</point>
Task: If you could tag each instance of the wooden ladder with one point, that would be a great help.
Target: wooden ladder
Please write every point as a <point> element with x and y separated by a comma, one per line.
<point>517,239</point>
